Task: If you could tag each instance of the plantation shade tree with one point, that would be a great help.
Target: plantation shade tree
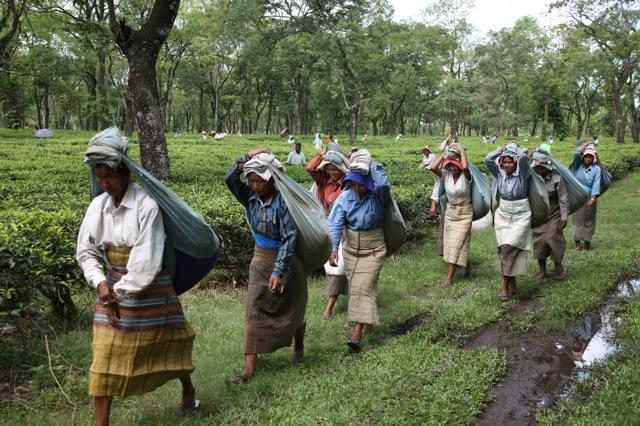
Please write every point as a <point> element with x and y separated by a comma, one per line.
<point>141,48</point>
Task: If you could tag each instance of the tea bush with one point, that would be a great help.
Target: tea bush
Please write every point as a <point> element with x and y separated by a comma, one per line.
<point>45,191</point>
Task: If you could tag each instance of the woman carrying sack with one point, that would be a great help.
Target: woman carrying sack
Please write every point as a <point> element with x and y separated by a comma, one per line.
<point>328,171</point>
<point>358,217</point>
<point>141,338</point>
<point>453,170</point>
<point>589,174</point>
<point>512,219</point>
<point>277,295</point>
<point>548,239</point>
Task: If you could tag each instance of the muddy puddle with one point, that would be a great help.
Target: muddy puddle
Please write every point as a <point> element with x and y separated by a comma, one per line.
<point>542,368</point>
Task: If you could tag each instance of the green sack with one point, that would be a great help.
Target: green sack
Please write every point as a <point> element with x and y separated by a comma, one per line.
<point>538,200</point>
<point>313,245</point>
<point>576,192</point>
<point>480,193</point>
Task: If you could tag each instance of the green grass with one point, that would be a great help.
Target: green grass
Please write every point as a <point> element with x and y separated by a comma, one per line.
<point>423,377</point>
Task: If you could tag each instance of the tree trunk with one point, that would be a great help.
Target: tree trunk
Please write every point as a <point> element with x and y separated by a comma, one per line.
<point>355,117</point>
<point>200,110</point>
<point>619,113</point>
<point>38,103</point>
<point>45,106</point>
<point>102,103</point>
<point>129,115</point>
<point>146,102</point>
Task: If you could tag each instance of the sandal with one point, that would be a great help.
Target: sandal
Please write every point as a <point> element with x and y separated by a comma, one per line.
<point>504,298</point>
<point>240,379</point>
<point>182,412</point>
<point>354,345</point>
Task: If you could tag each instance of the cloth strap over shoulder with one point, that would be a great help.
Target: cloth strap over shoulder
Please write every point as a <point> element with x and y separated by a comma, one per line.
<point>192,248</point>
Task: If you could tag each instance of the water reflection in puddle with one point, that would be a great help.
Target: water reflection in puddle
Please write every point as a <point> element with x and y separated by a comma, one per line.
<point>589,344</point>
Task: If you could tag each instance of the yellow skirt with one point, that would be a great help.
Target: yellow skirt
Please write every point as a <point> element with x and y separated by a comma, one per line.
<point>134,363</point>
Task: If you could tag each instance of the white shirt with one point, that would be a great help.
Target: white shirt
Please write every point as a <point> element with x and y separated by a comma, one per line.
<point>295,158</point>
<point>457,192</point>
<point>136,223</point>
<point>427,161</point>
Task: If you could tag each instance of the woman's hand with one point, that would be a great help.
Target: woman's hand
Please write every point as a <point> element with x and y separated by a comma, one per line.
<point>109,301</point>
<point>433,209</point>
<point>276,286</point>
<point>592,201</point>
<point>333,259</point>
<point>562,224</point>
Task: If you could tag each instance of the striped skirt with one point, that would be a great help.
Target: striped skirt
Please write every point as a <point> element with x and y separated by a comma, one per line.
<point>153,344</point>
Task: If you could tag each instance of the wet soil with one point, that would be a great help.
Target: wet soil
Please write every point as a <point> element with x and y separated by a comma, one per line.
<point>543,367</point>
<point>408,325</point>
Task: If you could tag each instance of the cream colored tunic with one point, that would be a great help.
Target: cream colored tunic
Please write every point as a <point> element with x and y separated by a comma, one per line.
<point>135,223</point>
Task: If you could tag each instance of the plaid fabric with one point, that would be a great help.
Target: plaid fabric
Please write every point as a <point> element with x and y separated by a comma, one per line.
<point>152,346</point>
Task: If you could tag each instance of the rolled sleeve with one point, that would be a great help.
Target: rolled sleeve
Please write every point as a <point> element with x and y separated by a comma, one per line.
<point>289,235</point>
<point>336,221</point>
<point>490,161</point>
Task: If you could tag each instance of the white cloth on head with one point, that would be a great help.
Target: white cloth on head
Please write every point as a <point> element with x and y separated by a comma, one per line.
<point>258,165</point>
<point>361,161</point>
<point>135,223</point>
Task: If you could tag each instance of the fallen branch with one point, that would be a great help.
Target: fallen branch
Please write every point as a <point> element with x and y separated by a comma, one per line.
<point>46,342</point>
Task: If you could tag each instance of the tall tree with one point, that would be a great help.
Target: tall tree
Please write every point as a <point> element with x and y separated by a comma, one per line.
<point>613,27</point>
<point>141,48</point>
<point>11,15</point>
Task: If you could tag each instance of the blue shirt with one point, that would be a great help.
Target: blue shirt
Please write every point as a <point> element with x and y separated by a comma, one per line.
<point>360,214</point>
<point>514,186</point>
<point>588,176</point>
<point>269,220</point>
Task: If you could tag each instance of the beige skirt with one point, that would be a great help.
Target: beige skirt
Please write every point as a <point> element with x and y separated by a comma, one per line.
<point>548,239</point>
<point>364,254</point>
<point>272,320</point>
<point>584,223</point>
<point>457,233</point>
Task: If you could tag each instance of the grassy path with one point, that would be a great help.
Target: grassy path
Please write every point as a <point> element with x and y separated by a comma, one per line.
<point>422,377</point>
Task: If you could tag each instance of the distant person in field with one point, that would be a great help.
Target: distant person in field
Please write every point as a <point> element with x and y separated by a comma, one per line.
<point>296,157</point>
<point>140,336</point>
<point>331,139</point>
<point>317,142</point>
<point>453,170</point>
<point>357,219</point>
<point>276,298</point>
<point>596,142</point>
<point>494,138</point>
<point>428,158</point>
<point>328,171</point>
<point>548,239</point>
<point>512,220</point>
<point>589,174</point>
<point>484,140</point>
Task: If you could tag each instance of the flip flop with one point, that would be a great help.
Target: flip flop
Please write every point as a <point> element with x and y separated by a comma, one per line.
<point>503,298</point>
<point>354,345</point>
<point>296,360</point>
<point>327,317</point>
<point>240,379</point>
<point>182,412</point>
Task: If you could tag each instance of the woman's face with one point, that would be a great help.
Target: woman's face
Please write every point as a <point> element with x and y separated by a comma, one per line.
<point>333,172</point>
<point>113,181</point>
<point>454,170</point>
<point>359,188</point>
<point>508,164</point>
<point>541,170</point>
<point>587,160</point>
<point>262,188</point>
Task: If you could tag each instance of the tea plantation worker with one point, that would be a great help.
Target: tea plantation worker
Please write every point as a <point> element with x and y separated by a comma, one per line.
<point>358,217</point>
<point>328,171</point>
<point>589,174</point>
<point>548,239</point>
<point>277,295</point>
<point>512,220</point>
<point>141,338</point>
<point>453,170</point>
<point>296,157</point>
<point>433,209</point>
<point>428,158</point>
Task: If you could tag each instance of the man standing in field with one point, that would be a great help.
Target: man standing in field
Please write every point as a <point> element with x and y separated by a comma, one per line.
<point>296,157</point>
